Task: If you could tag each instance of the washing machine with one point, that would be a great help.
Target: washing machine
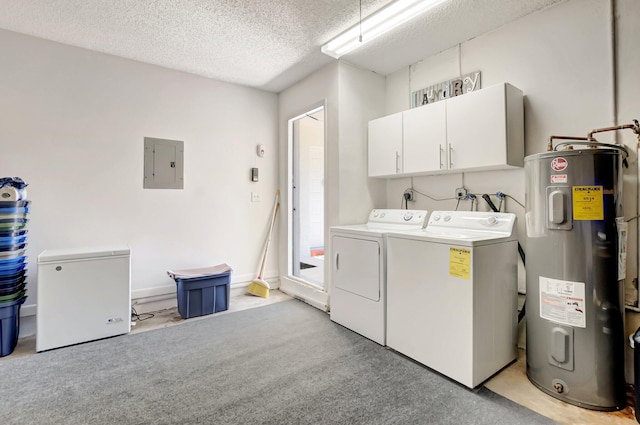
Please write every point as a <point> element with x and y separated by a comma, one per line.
<point>452,294</point>
<point>358,270</point>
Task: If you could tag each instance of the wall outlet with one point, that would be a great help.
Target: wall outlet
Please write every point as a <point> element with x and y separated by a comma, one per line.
<point>461,193</point>
<point>255,197</point>
<point>409,195</point>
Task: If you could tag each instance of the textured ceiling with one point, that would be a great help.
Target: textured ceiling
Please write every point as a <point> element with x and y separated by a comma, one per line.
<point>266,44</point>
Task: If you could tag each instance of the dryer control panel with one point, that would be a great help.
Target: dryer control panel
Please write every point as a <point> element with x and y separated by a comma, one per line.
<point>472,221</point>
<point>412,218</point>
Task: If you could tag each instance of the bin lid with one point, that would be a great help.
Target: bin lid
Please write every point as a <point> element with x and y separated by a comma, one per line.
<point>49,255</point>
<point>203,271</point>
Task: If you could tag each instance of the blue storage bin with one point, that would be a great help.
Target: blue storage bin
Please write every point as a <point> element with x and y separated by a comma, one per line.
<point>4,262</point>
<point>13,233</point>
<point>9,298</point>
<point>12,240</point>
<point>199,296</point>
<point>10,224</point>
<point>9,272</point>
<point>16,247</point>
<point>13,210</point>
<point>14,204</point>
<point>12,289</point>
<point>9,326</point>
<point>12,279</point>
<point>5,255</point>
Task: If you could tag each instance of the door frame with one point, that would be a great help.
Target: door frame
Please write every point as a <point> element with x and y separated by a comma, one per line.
<point>290,284</point>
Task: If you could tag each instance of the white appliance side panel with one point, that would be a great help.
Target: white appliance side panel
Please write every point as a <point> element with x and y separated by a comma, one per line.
<point>349,307</point>
<point>495,308</point>
<point>82,300</point>
<point>356,265</point>
<point>429,312</point>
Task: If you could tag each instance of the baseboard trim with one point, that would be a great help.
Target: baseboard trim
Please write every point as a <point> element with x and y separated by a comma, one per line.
<point>163,297</point>
<point>305,292</point>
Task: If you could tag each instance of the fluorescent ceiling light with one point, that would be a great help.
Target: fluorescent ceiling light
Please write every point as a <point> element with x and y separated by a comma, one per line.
<point>389,17</point>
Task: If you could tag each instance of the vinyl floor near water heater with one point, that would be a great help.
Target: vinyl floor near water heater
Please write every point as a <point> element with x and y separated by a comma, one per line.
<point>575,270</point>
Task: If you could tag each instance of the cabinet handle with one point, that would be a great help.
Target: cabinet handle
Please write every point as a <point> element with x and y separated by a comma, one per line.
<point>450,156</point>
<point>440,154</point>
<point>397,162</point>
<point>338,261</point>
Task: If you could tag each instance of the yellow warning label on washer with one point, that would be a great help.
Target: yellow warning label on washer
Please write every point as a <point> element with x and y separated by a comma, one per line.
<point>587,203</point>
<point>460,263</point>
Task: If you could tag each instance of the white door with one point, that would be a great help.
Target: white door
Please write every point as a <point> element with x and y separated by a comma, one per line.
<point>385,145</point>
<point>356,266</point>
<point>476,128</point>
<point>425,138</point>
<point>306,265</point>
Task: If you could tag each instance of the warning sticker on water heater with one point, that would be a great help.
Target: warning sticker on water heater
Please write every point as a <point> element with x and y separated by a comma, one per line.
<point>587,203</point>
<point>562,301</point>
<point>460,263</point>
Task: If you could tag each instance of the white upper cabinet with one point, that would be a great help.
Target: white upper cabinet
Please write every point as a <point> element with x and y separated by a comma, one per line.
<point>424,138</point>
<point>481,130</point>
<point>385,146</point>
<point>485,129</point>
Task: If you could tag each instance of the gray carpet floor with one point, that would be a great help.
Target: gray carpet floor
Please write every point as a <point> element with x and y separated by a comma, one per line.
<point>285,363</point>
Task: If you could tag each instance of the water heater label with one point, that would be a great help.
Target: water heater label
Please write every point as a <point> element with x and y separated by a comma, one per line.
<point>460,263</point>
<point>623,228</point>
<point>588,203</point>
<point>562,301</point>
<point>559,178</point>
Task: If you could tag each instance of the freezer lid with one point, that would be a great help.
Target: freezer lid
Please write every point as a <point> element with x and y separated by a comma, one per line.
<point>49,255</point>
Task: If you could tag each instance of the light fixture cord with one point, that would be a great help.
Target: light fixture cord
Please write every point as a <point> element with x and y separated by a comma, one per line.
<point>360,38</point>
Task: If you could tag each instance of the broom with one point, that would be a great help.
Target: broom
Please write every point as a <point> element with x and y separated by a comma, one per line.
<point>259,286</point>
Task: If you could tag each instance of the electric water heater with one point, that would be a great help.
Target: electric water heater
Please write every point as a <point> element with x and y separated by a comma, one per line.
<point>575,246</point>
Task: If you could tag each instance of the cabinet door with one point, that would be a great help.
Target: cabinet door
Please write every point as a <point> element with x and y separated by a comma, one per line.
<point>385,146</point>
<point>476,128</point>
<point>424,138</point>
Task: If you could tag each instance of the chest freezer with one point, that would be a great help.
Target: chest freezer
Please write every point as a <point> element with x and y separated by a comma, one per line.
<point>83,295</point>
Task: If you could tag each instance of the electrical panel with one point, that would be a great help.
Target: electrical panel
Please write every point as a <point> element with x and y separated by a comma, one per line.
<point>163,164</point>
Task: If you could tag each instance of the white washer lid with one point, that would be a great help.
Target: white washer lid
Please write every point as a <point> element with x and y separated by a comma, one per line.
<point>49,255</point>
<point>463,238</point>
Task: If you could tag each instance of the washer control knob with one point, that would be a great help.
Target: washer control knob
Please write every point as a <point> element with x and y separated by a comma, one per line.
<point>408,216</point>
<point>492,220</point>
<point>375,213</point>
<point>436,217</point>
<point>381,215</point>
<point>447,217</point>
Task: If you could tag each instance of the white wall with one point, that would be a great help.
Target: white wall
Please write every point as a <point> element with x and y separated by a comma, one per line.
<point>628,108</point>
<point>351,97</point>
<point>561,58</point>
<point>361,95</point>
<point>73,123</point>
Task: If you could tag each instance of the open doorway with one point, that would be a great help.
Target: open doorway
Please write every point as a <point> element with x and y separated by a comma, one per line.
<point>307,190</point>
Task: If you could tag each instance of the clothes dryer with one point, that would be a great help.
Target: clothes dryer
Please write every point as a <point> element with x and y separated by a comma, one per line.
<point>358,270</point>
<point>452,294</point>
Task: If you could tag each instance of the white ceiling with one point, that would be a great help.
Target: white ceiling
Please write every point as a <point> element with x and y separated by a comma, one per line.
<point>266,44</point>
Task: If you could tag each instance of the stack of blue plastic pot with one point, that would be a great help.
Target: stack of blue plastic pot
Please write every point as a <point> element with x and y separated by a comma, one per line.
<point>13,263</point>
